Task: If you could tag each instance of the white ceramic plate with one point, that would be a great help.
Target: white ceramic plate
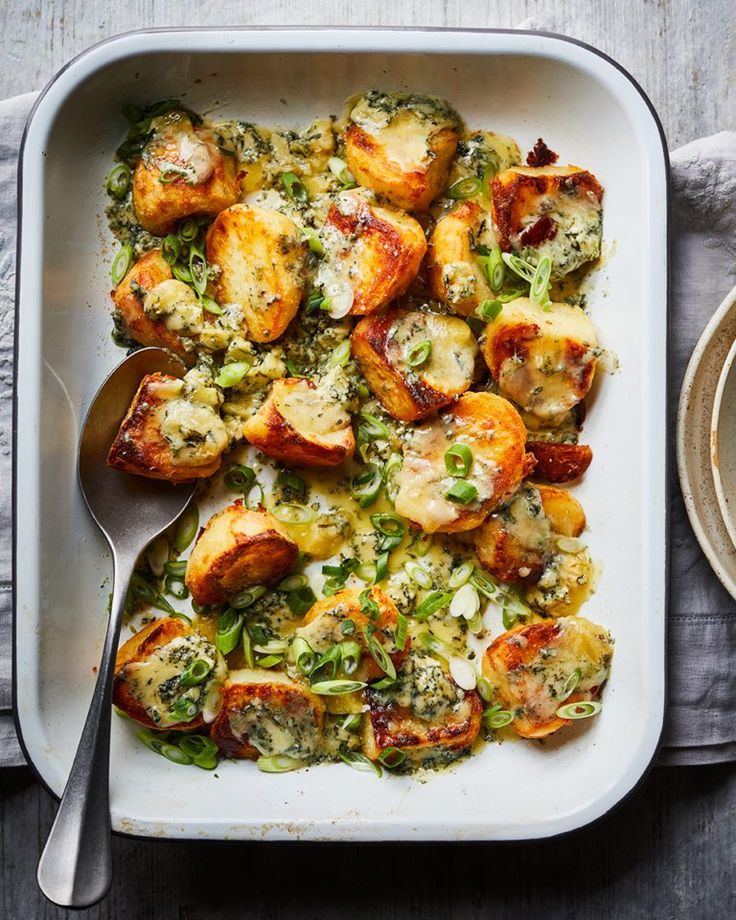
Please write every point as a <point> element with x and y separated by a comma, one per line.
<point>703,448</point>
<point>525,84</point>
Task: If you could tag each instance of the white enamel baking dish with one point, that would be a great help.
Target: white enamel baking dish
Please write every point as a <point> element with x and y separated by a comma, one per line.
<point>525,84</point>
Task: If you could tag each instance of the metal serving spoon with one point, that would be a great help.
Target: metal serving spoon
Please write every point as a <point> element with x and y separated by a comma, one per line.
<point>75,869</point>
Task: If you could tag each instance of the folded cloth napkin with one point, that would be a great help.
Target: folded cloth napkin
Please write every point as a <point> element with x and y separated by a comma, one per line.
<point>701,727</point>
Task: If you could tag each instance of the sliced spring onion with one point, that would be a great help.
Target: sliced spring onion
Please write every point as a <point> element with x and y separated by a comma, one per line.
<point>379,654</point>
<point>188,230</point>
<point>464,188</point>
<point>158,556</point>
<point>366,484</point>
<point>293,583</point>
<point>462,672</point>
<point>247,597</point>
<point>372,428</point>
<point>433,644</point>
<point>369,607</point>
<point>239,478</point>
<point>512,609</point>
<point>341,355</point>
<point>175,585</point>
<point>184,709</point>
<point>294,187</point>
<point>475,624</point>
<point>581,710</point>
<point>339,169</point>
<point>347,627</point>
<point>121,263</point>
<point>459,460</point>
<point>171,172</point>
<point>461,575</point>
<point>392,757</point>
<point>269,661</point>
<point>198,747</point>
<point>210,306</point>
<point>288,479</point>
<point>279,763</point>
<point>303,655</point>
<point>171,249</point>
<point>174,754</point>
<point>539,287</point>
<point>351,655</point>
<point>195,673</point>
<point>248,647</point>
<point>488,310</point>
<point>152,742</point>
<point>402,625</point>
<point>389,524</point>
<point>293,513</point>
<point>421,545</point>
<point>432,603</point>
<point>570,544</point>
<point>229,627</point>
<point>352,722</point>
<point>328,664</point>
<point>495,717</point>
<point>419,353</point>
<point>485,584</point>
<point>366,571</point>
<point>462,492</point>
<point>175,566</point>
<point>418,574</point>
<point>465,603</point>
<point>272,647</point>
<point>312,238</point>
<point>181,273</point>
<point>301,600</point>
<point>508,296</point>
<point>496,268</point>
<point>186,529</point>
<point>359,761</point>
<point>177,615</point>
<point>232,374</point>
<point>336,687</point>
<point>198,269</point>
<point>519,266</point>
<point>381,568</point>
<point>484,688</point>
<point>118,181</point>
<point>384,684</point>
<point>570,684</point>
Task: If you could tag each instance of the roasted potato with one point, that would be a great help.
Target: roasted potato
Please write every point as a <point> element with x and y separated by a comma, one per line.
<point>491,427</point>
<point>129,297</point>
<point>385,347</point>
<point>518,541</point>
<point>544,360</point>
<point>559,462</point>
<point>266,713</point>
<point>425,715</point>
<point>565,583</point>
<point>371,255</point>
<point>533,669</point>
<point>400,146</point>
<point>181,173</point>
<point>168,434</point>
<point>303,423</point>
<point>236,549</point>
<point>550,211</point>
<point>148,676</point>
<point>259,257</point>
<point>321,626</point>
<point>454,272</point>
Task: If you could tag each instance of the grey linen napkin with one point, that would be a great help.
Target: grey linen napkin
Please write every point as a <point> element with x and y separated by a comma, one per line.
<point>701,725</point>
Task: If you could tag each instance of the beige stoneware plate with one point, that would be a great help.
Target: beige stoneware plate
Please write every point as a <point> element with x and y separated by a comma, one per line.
<point>700,462</point>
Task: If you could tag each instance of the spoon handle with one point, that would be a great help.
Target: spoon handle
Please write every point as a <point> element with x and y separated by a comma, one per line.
<point>75,869</point>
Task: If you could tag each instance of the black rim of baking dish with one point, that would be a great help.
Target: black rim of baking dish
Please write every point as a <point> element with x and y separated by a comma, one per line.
<point>668,463</point>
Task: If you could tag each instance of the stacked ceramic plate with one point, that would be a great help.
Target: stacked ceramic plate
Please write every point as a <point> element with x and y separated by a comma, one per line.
<point>706,442</point>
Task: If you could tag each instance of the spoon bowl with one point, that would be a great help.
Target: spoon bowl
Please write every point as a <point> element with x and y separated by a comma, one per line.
<point>75,869</point>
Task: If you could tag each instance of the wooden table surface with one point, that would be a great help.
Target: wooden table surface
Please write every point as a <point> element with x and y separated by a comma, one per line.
<point>667,852</point>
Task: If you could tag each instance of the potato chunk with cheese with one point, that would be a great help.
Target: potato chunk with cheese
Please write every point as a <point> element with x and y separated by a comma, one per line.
<point>534,669</point>
<point>454,273</point>
<point>550,211</point>
<point>267,714</point>
<point>236,549</point>
<point>259,257</point>
<point>304,423</point>
<point>366,609</point>
<point>519,540</point>
<point>483,154</point>
<point>493,431</point>
<point>544,360</point>
<point>172,431</point>
<point>182,172</point>
<point>154,683</point>
<point>415,362</point>
<point>371,255</point>
<point>425,714</point>
<point>400,146</point>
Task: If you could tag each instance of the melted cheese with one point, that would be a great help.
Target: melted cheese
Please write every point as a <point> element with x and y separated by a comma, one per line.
<point>451,363</point>
<point>176,304</point>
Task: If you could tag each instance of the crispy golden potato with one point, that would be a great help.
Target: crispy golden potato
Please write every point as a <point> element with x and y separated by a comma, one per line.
<point>166,434</point>
<point>491,427</point>
<point>454,273</point>
<point>266,713</point>
<point>559,462</point>
<point>400,146</point>
<point>303,423</point>
<point>236,549</point>
<point>432,728</point>
<point>181,173</point>
<point>371,255</point>
<point>544,360</point>
<point>532,668</point>
<point>321,626</point>
<point>261,257</point>
<point>129,297</point>
<point>384,347</point>
<point>550,211</point>
<point>517,542</point>
<point>148,669</point>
